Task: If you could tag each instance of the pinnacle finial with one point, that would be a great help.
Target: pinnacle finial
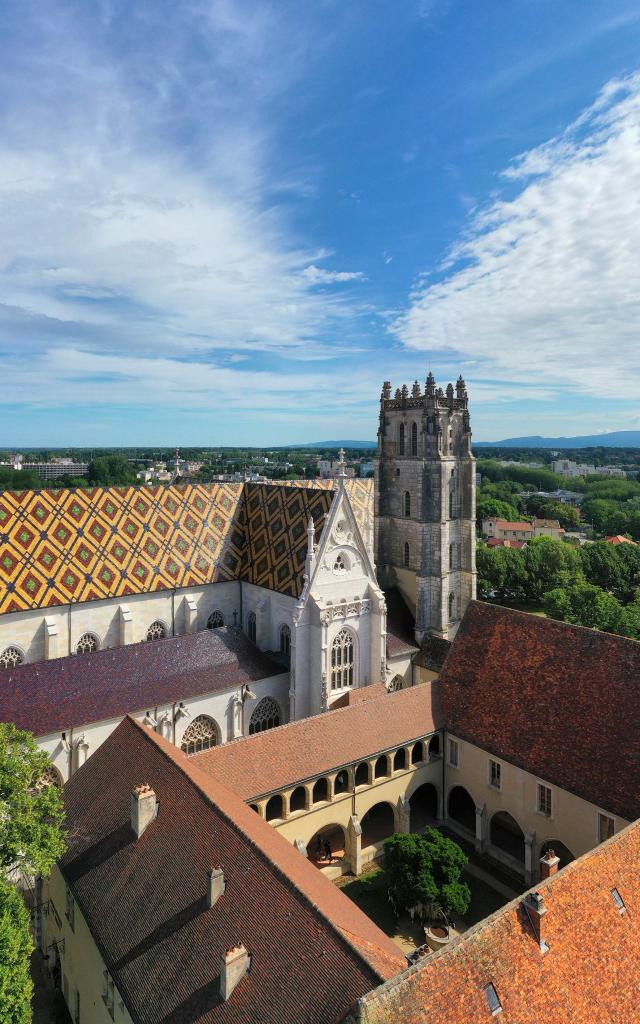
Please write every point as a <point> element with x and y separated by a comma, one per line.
<point>341,469</point>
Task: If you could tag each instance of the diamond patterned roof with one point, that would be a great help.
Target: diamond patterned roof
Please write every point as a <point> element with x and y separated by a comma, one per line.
<point>58,547</point>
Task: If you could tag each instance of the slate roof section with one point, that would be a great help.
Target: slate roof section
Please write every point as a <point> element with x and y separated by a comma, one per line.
<point>313,952</point>
<point>400,625</point>
<point>76,545</point>
<point>291,753</point>
<point>53,696</point>
<point>590,972</point>
<point>560,701</point>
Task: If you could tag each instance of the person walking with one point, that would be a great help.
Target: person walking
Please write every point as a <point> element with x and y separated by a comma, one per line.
<point>328,851</point>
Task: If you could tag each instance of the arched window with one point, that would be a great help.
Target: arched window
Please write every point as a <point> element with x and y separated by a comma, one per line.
<point>401,440</point>
<point>87,643</point>
<point>414,438</point>
<point>452,604</point>
<point>406,555</point>
<point>266,715</point>
<point>156,631</point>
<point>50,777</point>
<point>342,660</point>
<point>251,627</point>
<point>202,734</point>
<point>451,556</point>
<point>362,774</point>
<point>215,620</point>
<point>10,657</point>
<point>285,641</point>
<point>407,505</point>
<point>395,684</point>
<point>451,505</point>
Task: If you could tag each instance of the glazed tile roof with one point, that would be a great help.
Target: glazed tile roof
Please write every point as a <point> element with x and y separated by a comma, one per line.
<point>313,952</point>
<point>560,701</point>
<point>589,974</point>
<point>281,757</point>
<point>53,696</point>
<point>58,547</point>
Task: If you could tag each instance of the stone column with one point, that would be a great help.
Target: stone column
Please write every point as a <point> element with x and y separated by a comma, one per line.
<point>126,625</point>
<point>354,845</point>
<point>404,815</point>
<point>481,828</point>
<point>530,863</point>
<point>440,810</point>
<point>50,639</point>
<point>190,610</point>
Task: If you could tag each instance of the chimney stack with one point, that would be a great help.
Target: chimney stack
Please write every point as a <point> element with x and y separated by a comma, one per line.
<point>144,808</point>
<point>549,864</point>
<point>235,964</point>
<point>535,910</point>
<point>215,887</point>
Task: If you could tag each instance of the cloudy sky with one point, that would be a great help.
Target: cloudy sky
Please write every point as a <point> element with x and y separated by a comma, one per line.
<point>228,221</point>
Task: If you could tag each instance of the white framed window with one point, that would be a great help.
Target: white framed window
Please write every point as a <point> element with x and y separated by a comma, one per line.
<point>495,774</point>
<point>606,827</point>
<point>87,644</point>
<point>215,620</point>
<point>453,752</point>
<point>11,657</point>
<point>342,660</point>
<point>544,804</point>
<point>156,631</point>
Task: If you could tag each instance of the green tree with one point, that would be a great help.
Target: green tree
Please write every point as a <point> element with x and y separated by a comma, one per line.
<point>588,605</point>
<point>426,868</point>
<point>493,508</point>
<point>15,953</point>
<point>603,566</point>
<point>549,563</point>
<point>501,572</point>
<point>111,470</point>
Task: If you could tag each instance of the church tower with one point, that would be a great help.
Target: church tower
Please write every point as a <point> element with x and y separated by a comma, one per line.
<point>426,503</point>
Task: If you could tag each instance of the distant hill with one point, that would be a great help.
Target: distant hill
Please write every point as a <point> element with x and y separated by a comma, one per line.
<point>616,439</point>
<point>339,444</point>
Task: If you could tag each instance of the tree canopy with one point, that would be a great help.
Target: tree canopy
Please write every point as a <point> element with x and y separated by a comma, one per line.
<point>426,868</point>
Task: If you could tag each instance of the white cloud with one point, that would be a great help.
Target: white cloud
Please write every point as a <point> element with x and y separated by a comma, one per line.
<point>316,275</point>
<point>544,287</point>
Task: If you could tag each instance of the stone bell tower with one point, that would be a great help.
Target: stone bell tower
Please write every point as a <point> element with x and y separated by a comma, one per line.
<point>426,503</point>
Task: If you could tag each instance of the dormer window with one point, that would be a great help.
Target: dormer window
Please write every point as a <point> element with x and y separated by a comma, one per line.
<point>493,999</point>
<point>618,900</point>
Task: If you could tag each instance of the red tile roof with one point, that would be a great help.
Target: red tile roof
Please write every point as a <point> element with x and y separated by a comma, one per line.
<point>314,953</point>
<point>495,542</point>
<point>560,701</point>
<point>549,524</point>
<point>52,696</point>
<point>301,750</point>
<point>619,539</point>
<point>505,524</point>
<point>589,975</point>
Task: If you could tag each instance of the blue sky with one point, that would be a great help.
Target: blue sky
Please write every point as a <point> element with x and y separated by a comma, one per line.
<point>229,222</point>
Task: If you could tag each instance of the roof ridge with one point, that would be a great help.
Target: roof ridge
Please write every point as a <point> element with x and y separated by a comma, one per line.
<point>181,764</point>
<point>542,620</point>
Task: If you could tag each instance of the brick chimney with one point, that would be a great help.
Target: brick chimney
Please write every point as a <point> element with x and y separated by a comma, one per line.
<point>535,910</point>
<point>144,808</point>
<point>235,964</point>
<point>549,864</point>
<point>216,886</point>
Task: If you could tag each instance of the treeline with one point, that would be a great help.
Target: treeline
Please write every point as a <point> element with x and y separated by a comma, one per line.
<point>105,471</point>
<point>596,585</point>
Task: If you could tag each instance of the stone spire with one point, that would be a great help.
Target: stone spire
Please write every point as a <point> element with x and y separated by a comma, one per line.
<point>431,384</point>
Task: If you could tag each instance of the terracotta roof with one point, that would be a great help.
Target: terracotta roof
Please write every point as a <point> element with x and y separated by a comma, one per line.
<point>619,539</point>
<point>313,952</point>
<point>301,750</point>
<point>589,973</point>
<point>550,524</point>
<point>52,696</point>
<point>495,542</point>
<point>360,694</point>
<point>560,701</point>
<point>505,524</point>
<point>400,625</point>
<point>71,545</point>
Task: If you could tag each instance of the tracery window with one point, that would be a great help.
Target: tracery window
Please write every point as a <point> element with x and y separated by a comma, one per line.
<point>339,565</point>
<point>342,660</point>
<point>10,657</point>
<point>215,620</point>
<point>156,631</point>
<point>407,505</point>
<point>202,734</point>
<point>265,716</point>
<point>414,438</point>
<point>285,641</point>
<point>406,555</point>
<point>395,684</point>
<point>401,439</point>
<point>252,627</point>
<point>87,643</point>
<point>50,777</point>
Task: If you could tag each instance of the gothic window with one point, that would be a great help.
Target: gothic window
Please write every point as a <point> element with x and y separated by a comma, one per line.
<point>215,620</point>
<point>451,556</point>
<point>339,565</point>
<point>414,438</point>
<point>87,643</point>
<point>10,657</point>
<point>406,556</point>
<point>342,660</point>
<point>252,627</point>
<point>201,735</point>
<point>285,641</point>
<point>451,505</point>
<point>50,777</point>
<point>395,684</point>
<point>156,631</point>
<point>401,439</point>
<point>452,604</point>
<point>407,505</point>
<point>265,716</point>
